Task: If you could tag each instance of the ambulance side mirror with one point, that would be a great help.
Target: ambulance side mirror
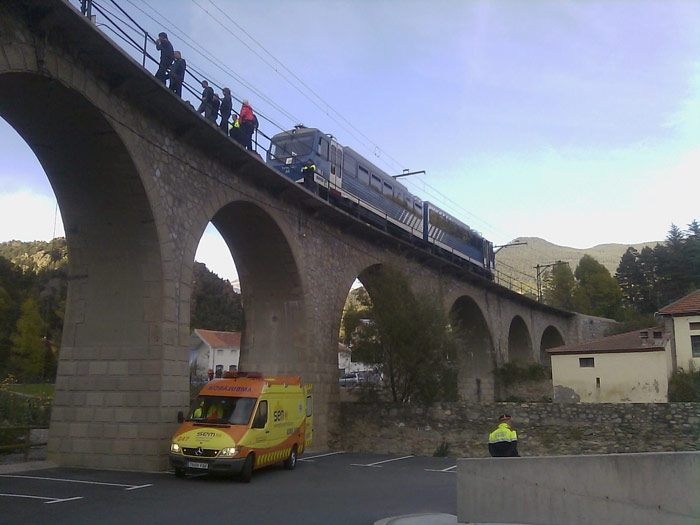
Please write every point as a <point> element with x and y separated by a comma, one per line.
<point>180,417</point>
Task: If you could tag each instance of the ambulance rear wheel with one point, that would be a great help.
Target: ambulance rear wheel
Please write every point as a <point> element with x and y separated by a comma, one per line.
<point>247,470</point>
<point>291,461</point>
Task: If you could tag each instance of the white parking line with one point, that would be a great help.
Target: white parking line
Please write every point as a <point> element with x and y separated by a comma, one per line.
<point>448,469</point>
<point>50,500</point>
<point>380,462</point>
<point>127,487</point>
<point>311,458</point>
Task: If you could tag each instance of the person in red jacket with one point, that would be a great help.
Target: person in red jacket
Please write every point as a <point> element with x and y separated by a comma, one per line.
<point>247,123</point>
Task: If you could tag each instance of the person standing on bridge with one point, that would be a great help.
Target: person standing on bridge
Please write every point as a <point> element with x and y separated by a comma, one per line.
<point>503,442</point>
<point>215,104</point>
<point>167,55</point>
<point>177,74</point>
<point>247,121</point>
<point>226,107</point>
<point>207,99</point>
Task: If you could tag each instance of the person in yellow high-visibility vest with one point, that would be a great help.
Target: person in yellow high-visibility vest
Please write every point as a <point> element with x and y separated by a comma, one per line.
<point>503,442</point>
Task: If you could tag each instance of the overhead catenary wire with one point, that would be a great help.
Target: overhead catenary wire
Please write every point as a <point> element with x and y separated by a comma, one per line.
<point>207,55</point>
<point>326,106</point>
<point>197,74</point>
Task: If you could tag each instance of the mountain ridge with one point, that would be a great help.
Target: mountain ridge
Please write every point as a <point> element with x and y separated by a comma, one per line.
<point>520,261</point>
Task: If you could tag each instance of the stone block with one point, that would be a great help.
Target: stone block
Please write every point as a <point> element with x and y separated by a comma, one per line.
<point>118,368</point>
<point>15,58</point>
<point>97,368</point>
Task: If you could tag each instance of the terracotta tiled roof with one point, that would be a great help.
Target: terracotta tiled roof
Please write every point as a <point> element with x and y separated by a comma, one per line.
<point>690,304</point>
<point>220,339</point>
<point>627,342</point>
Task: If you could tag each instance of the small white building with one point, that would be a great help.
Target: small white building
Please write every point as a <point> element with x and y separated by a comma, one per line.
<point>682,321</point>
<point>633,367</point>
<point>215,351</point>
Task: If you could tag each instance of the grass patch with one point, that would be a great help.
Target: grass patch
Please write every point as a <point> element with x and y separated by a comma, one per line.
<point>41,390</point>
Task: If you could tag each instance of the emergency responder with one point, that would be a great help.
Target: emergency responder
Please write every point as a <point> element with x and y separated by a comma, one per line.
<point>199,411</point>
<point>503,442</point>
<point>308,172</point>
<point>216,411</point>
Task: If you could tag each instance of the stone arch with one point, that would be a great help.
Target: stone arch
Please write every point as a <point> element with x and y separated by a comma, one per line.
<point>273,306</point>
<point>519,342</point>
<point>476,359</point>
<point>113,333</point>
<point>551,337</point>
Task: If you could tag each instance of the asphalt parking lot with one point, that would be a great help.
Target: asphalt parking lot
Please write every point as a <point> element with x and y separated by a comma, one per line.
<point>328,488</point>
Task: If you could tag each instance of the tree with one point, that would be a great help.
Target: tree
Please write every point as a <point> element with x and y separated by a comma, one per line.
<point>629,277</point>
<point>28,348</point>
<point>215,306</point>
<point>598,292</point>
<point>407,338</point>
<point>559,291</point>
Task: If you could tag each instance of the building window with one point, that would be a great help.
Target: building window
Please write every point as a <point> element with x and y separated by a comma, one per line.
<point>695,326</point>
<point>597,382</point>
<point>586,362</point>
<point>695,345</point>
<point>657,335</point>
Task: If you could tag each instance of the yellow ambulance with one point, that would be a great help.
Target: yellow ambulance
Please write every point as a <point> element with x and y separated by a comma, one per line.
<point>243,422</point>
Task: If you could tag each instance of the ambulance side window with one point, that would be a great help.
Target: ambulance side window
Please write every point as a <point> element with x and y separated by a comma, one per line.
<point>260,416</point>
<point>309,406</point>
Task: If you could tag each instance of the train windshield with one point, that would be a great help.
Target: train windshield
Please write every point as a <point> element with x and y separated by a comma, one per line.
<point>291,146</point>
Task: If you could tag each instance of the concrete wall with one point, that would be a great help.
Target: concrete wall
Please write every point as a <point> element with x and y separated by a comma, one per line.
<point>638,489</point>
<point>630,377</point>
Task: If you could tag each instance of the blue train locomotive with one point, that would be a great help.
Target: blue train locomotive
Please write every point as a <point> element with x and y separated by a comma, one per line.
<point>353,183</point>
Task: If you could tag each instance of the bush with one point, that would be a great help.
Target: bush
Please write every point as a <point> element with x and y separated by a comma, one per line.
<point>21,410</point>
<point>684,386</point>
<point>511,373</point>
<point>442,450</point>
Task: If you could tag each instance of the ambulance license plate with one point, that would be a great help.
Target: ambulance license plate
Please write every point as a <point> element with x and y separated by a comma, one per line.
<point>195,464</point>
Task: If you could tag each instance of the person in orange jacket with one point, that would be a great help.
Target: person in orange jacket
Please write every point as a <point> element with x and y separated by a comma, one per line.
<point>247,121</point>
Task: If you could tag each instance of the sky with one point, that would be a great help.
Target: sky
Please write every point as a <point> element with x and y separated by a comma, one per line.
<point>574,121</point>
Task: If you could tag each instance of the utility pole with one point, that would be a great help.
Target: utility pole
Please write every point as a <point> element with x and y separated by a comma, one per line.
<point>540,270</point>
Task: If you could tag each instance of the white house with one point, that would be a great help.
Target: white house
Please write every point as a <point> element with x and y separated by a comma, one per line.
<point>633,367</point>
<point>682,321</point>
<point>215,351</point>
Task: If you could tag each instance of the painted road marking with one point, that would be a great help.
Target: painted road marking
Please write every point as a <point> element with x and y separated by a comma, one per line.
<point>448,469</point>
<point>127,487</point>
<point>50,500</point>
<point>379,463</point>
<point>311,458</point>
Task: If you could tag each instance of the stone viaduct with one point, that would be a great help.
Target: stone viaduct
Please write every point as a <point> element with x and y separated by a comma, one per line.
<point>138,176</point>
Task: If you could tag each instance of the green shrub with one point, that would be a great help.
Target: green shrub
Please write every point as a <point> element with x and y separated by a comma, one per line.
<point>511,373</point>
<point>442,451</point>
<point>684,386</point>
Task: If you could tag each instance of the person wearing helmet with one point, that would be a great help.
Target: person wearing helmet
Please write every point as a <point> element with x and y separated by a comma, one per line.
<point>503,442</point>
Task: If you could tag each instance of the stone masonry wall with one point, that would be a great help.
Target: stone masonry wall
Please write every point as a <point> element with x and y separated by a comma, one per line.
<point>544,429</point>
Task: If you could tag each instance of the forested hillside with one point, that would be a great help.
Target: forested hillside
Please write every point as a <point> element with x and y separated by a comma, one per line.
<point>33,287</point>
<point>538,251</point>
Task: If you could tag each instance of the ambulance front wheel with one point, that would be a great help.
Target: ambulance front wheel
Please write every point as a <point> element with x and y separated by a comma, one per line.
<point>179,472</point>
<point>247,470</point>
<point>291,461</point>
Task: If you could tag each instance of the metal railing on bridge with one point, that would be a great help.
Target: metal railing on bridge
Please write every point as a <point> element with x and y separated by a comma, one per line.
<point>122,25</point>
<point>136,38</point>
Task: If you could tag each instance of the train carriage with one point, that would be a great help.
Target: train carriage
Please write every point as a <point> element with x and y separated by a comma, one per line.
<point>351,182</point>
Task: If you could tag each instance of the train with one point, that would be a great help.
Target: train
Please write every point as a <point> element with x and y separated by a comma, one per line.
<point>354,184</point>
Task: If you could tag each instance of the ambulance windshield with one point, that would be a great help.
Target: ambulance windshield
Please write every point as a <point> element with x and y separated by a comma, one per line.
<point>222,409</point>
